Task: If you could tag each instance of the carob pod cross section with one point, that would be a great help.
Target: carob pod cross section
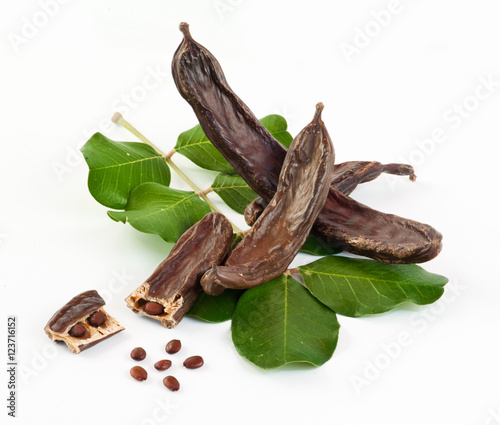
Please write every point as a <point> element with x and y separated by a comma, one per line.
<point>82,322</point>
<point>346,177</point>
<point>274,240</point>
<point>171,290</point>
<point>257,157</point>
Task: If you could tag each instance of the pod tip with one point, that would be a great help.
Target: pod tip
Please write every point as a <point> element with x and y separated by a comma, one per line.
<point>319,109</point>
<point>184,28</point>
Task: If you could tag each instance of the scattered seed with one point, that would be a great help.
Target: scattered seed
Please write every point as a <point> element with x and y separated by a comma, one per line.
<point>138,373</point>
<point>163,364</point>
<point>171,383</point>
<point>138,353</point>
<point>193,362</point>
<point>173,346</point>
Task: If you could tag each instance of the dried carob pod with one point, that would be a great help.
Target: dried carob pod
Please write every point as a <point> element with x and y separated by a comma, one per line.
<point>346,177</point>
<point>257,157</point>
<point>171,290</point>
<point>362,230</point>
<point>225,119</point>
<point>272,243</point>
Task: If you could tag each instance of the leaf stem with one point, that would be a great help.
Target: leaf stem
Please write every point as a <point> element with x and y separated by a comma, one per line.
<point>118,119</point>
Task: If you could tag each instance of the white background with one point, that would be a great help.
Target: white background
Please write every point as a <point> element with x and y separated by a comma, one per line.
<point>61,78</point>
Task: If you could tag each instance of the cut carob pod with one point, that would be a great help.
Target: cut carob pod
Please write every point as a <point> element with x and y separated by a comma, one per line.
<point>272,243</point>
<point>346,177</point>
<point>257,157</point>
<point>171,290</point>
<point>82,322</point>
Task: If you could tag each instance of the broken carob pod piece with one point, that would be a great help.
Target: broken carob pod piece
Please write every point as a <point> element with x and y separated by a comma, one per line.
<point>82,322</point>
<point>346,177</point>
<point>257,157</point>
<point>274,240</point>
<point>170,291</point>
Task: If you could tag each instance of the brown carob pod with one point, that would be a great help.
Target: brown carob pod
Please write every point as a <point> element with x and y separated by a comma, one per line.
<point>74,322</point>
<point>227,122</point>
<point>272,243</point>
<point>171,290</point>
<point>257,157</point>
<point>254,209</point>
<point>346,177</point>
<point>362,230</point>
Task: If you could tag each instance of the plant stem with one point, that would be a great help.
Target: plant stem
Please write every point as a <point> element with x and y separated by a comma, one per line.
<point>118,119</point>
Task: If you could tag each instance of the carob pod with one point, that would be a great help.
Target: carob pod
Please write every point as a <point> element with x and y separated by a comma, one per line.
<point>171,290</point>
<point>227,122</point>
<point>80,323</point>
<point>257,157</point>
<point>274,240</point>
<point>346,177</point>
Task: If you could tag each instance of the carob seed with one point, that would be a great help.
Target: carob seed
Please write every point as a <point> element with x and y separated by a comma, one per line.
<point>97,319</point>
<point>171,383</point>
<point>138,373</point>
<point>163,365</point>
<point>138,353</point>
<point>193,362</point>
<point>173,346</point>
<point>78,330</point>
<point>153,308</point>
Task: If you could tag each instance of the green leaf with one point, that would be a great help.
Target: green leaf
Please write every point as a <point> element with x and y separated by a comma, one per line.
<point>317,246</point>
<point>215,309</point>
<point>116,168</point>
<point>277,126</point>
<point>154,208</point>
<point>194,145</point>
<point>280,322</point>
<point>356,287</point>
<point>233,191</point>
